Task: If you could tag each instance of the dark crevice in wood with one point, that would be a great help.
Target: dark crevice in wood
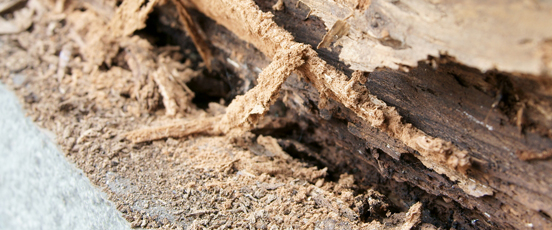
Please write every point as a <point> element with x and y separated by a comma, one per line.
<point>444,99</point>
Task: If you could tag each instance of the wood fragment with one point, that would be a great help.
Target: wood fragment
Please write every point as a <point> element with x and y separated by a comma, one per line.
<point>201,212</point>
<point>194,32</point>
<point>22,20</point>
<point>130,16</point>
<point>271,145</point>
<point>243,112</point>
<point>531,155</point>
<point>338,30</point>
<point>177,98</point>
<point>279,5</point>
<point>7,5</point>
<point>102,8</point>
<point>413,216</point>
<point>176,130</point>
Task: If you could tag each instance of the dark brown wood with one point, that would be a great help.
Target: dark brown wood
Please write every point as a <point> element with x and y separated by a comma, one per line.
<point>478,112</point>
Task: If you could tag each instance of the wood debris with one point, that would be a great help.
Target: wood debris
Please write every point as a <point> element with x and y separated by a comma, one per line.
<point>338,30</point>
<point>530,155</point>
<point>244,111</point>
<point>194,32</point>
<point>177,97</point>
<point>131,16</point>
<point>124,77</point>
<point>279,5</point>
<point>413,216</point>
<point>22,18</point>
<point>268,37</point>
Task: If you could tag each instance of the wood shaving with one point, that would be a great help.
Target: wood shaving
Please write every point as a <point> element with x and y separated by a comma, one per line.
<point>338,30</point>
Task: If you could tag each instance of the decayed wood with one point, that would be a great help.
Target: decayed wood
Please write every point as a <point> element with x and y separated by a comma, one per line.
<point>495,117</point>
<point>508,36</point>
<point>452,102</point>
<point>193,31</point>
<point>435,153</point>
<point>244,112</point>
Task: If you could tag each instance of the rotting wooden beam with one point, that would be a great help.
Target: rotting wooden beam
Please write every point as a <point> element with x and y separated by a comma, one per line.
<point>465,76</point>
<point>524,187</point>
<point>246,20</point>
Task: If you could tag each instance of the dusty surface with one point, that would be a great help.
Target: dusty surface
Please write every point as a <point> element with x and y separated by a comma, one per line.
<point>39,189</point>
<point>167,137</point>
<point>494,116</point>
<point>90,88</point>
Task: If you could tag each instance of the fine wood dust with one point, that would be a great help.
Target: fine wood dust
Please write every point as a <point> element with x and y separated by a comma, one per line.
<point>110,85</point>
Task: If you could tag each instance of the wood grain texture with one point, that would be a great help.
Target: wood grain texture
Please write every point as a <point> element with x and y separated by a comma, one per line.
<point>478,112</point>
<point>508,36</point>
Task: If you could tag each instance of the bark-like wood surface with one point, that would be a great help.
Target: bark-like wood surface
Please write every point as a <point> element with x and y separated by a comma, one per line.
<point>499,118</point>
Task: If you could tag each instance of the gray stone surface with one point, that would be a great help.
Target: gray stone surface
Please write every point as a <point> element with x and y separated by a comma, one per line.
<point>39,189</point>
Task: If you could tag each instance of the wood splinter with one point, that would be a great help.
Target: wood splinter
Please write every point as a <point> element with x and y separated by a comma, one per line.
<point>244,111</point>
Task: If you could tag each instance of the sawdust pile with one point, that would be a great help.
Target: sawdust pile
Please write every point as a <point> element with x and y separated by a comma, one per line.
<point>84,74</point>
